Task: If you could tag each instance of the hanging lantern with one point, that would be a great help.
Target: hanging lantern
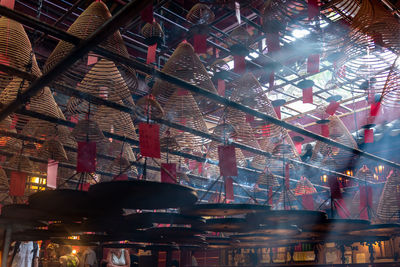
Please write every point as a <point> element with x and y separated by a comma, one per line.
<point>201,16</point>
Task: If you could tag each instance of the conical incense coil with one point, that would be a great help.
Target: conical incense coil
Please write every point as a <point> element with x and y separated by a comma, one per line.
<point>53,149</point>
<point>121,165</point>
<point>388,207</point>
<point>152,33</point>
<point>15,50</point>
<point>87,131</point>
<point>86,24</point>
<point>200,14</point>
<point>186,65</point>
<point>147,106</point>
<point>4,188</point>
<point>19,162</point>
<point>304,187</point>
<point>365,174</point>
<point>267,179</point>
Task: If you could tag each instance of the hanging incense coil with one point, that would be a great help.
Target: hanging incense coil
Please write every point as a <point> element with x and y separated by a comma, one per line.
<point>5,198</point>
<point>15,50</point>
<point>86,24</point>
<point>53,149</point>
<point>341,135</point>
<point>267,179</point>
<point>169,143</point>
<point>388,207</point>
<point>148,106</point>
<point>186,65</point>
<point>5,125</point>
<point>87,131</point>
<point>200,14</point>
<point>20,163</point>
<point>121,165</point>
<point>225,131</point>
<point>365,174</point>
<point>304,187</point>
<point>152,33</point>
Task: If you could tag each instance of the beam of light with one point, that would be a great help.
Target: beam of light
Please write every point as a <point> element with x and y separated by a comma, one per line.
<point>300,33</point>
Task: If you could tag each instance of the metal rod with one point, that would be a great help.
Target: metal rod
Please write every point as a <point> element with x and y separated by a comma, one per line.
<point>126,13</point>
<point>6,245</point>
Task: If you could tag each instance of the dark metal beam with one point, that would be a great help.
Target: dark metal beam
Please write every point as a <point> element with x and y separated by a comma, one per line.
<point>109,27</point>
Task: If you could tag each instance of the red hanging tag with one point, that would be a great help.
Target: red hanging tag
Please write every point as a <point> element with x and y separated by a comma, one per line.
<point>298,146</point>
<point>368,136</point>
<point>325,130</point>
<point>332,107</point>
<point>227,161</point>
<point>365,201</point>
<point>17,183</point>
<point>375,109</point>
<point>308,95</point>
<point>342,209</point>
<point>307,201</point>
<point>168,173</point>
<point>278,112</point>
<point>200,43</point>
<point>229,189</point>
<point>273,42</point>
<point>147,14</point>
<point>221,87</point>
<point>313,9</point>
<point>270,194</point>
<point>271,80</point>
<point>334,187</point>
<point>52,171</point>
<point>84,187</point>
<point>313,64</point>
<point>149,140</point>
<point>8,3</point>
<point>86,161</point>
<point>91,60</point>
<point>287,176</point>
<point>151,54</point>
<point>239,64</point>
<point>121,177</point>
<point>249,118</point>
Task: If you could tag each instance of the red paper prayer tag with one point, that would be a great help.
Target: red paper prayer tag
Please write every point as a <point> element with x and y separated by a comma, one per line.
<point>332,107</point>
<point>200,43</point>
<point>334,187</point>
<point>273,42</point>
<point>147,14</point>
<point>313,64</point>
<point>17,183</point>
<point>308,95</point>
<point>313,9</point>
<point>375,109</point>
<point>271,80</point>
<point>368,136</point>
<point>229,189</point>
<point>227,161</point>
<point>307,201</point>
<point>84,187</point>
<point>149,140</point>
<point>298,146</point>
<point>239,64</point>
<point>325,130</point>
<point>365,201</point>
<point>151,54</point>
<point>8,3</point>
<point>86,161</point>
<point>121,177</point>
<point>278,112</point>
<point>92,60</point>
<point>52,170</point>
<point>168,173</point>
<point>221,87</point>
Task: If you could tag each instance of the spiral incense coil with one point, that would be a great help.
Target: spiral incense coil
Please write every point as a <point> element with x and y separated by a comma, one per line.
<point>239,36</point>
<point>267,179</point>
<point>186,65</point>
<point>200,14</point>
<point>340,134</point>
<point>87,131</point>
<point>304,187</point>
<point>53,149</point>
<point>152,33</point>
<point>148,106</point>
<point>388,207</point>
<point>15,50</point>
<point>365,174</point>
<point>4,188</point>
<point>20,163</point>
<point>86,24</point>
<point>5,125</point>
<point>121,165</point>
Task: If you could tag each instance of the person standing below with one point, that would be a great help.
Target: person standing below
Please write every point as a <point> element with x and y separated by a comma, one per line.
<point>118,258</point>
<point>68,259</point>
<point>88,258</point>
<point>24,254</point>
